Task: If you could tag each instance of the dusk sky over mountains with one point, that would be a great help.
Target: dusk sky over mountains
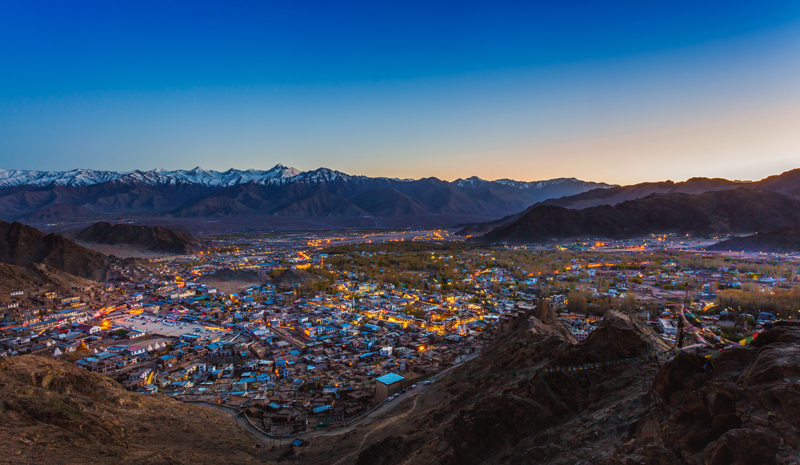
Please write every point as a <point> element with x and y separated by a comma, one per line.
<point>621,93</point>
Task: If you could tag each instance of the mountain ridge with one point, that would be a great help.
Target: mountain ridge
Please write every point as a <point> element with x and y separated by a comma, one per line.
<point>738,210</point>
<point>198,175</point>
<point>317,198</point>
<point>787,183</point>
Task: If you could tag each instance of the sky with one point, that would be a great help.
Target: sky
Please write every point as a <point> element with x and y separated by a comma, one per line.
<point>621,92</point>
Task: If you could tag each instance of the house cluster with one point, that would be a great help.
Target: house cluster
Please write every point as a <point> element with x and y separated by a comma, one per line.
<point>294,358</point>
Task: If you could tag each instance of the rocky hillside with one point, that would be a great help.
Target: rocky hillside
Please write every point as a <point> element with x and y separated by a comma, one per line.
<point>504,407</point>
<point>22,245</point>
<point>739,210</point>
<point>55,413</point>
<point>152,238</point>
<point>36,275</point>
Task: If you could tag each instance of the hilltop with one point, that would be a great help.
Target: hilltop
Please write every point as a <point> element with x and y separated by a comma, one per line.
<point>22,245</point>
<point>36,275</point>
<point>785,184</point>
<point>233,281</point>
<point>54,412</point>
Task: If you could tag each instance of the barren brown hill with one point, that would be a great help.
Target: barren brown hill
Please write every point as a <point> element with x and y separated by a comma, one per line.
<point>233,281</point>
<point>739,210</point>
<point>152,238</point>
<point>56,413</point>
<point>21,245</point>
<point>36,275</point>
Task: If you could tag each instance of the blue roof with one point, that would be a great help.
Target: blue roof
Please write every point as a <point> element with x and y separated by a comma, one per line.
<point>390,378</point>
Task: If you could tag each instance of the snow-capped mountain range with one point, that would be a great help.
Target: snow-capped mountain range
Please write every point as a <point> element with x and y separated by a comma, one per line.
<point>277,197</point>
<point>199,176</point>
<point>279,174</point>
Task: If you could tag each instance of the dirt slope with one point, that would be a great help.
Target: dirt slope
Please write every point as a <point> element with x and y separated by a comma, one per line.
<point>55,413</point>
<point>34,276</point>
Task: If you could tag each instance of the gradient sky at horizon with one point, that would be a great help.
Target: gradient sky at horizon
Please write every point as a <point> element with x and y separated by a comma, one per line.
<point>621,92</point>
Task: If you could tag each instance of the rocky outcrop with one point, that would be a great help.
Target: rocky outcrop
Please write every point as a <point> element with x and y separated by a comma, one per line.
<point>739,407</point>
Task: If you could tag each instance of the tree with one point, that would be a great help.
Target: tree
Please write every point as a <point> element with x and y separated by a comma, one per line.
<point>577,302</point>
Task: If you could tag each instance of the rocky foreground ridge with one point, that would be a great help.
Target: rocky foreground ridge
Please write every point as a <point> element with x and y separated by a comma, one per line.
<point>740,407</point>
<point>509,405</point>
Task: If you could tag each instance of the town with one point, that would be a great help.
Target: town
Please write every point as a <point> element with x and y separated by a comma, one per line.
<point>308,331</point>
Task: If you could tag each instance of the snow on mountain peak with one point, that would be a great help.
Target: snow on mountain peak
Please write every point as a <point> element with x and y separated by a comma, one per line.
<point>278,174</point>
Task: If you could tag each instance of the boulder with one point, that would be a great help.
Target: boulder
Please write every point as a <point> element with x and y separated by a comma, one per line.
<point>674,375</point>
<point>773,364</point>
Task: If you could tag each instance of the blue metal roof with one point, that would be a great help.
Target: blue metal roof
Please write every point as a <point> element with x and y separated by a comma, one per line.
<point>390,378</point>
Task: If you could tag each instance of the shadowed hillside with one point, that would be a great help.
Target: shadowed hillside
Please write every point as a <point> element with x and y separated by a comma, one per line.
<point>22,245</point>
<point>152,238</point>
<point>739,210</point>
<point>782,240</point>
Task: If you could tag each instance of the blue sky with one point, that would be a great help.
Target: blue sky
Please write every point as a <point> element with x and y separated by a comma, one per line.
<point>609,91</point>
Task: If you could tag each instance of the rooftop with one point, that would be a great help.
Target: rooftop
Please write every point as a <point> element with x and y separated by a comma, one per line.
<point>390,378</point>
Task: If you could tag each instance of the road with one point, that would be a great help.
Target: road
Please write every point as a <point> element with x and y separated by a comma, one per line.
<point>378,428</point>
<point>284,334</point>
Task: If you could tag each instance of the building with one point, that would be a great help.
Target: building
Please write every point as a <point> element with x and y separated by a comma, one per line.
<point>388,385</point>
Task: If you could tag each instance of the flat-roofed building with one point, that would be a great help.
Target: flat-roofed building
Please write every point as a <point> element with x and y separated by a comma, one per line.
<point>388,385</point>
